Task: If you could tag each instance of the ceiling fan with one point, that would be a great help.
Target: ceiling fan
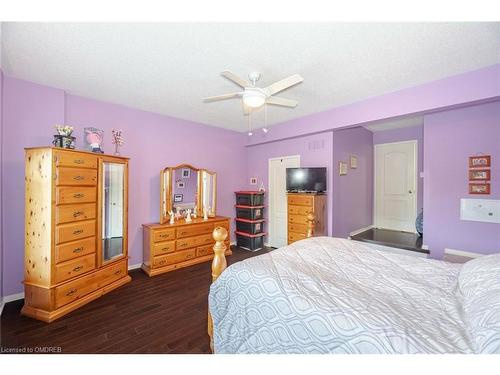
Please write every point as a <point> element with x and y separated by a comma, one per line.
<point>253,97</point>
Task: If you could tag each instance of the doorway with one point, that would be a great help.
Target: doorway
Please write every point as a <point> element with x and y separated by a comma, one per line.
<point>395,186</point>
<point>278,227</point>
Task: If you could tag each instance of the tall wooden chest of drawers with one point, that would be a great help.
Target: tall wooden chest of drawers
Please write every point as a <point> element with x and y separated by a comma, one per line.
<point>168,247</point>
<point>299,206</point>
<point>75,229</point>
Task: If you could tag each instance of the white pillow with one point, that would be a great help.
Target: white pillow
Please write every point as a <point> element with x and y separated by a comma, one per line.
<point>479,286</point>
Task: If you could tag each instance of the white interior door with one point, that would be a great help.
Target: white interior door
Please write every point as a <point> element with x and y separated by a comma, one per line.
<point>395,186</point>
<point>278,227</point>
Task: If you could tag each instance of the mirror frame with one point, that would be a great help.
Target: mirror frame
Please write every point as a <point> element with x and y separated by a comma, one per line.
<point>214,192</point>
<point>166,191</point>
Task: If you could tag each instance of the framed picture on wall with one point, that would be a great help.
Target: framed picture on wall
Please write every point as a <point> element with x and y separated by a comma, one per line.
<point>181,184</point>
<point>479,174</point>
<point>478,188</point>
<point>353,160</point>
<point>342,168</point>
<point>186,173</point>
<point>178,197</point>
<point>480,161</point>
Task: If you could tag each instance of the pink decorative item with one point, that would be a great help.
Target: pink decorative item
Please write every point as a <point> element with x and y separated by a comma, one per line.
<point>117,140</point>
<point>93,138</point>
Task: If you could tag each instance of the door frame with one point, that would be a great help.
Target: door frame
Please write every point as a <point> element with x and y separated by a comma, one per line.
<point>415,178</point>
<point>270,200</point>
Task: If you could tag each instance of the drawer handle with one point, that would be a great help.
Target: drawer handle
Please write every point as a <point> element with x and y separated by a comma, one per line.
<point>71,292</point>
<point>78,161</point>
<point>78,178</point>
<point>163,235</point>
<point>77,268</point>
<point>184,233</point>
<point>165,248</point>
<point>78,195</point>
<point>184,244</point>
<point>117,272</point>
<point>78,249</point>
<point>78,231</point>
<point>189,256</point>
<point>163,261</point>
<point>77,213</point>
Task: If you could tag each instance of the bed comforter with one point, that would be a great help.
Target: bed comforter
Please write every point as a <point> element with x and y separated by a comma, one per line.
<point>331,295</point>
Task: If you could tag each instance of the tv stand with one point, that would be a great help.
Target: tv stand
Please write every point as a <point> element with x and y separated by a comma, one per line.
<point>299,205</point>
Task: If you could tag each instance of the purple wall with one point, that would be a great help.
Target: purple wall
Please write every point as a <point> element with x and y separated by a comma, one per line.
<point>1,195</point>
<point>406,134</point>
<point>152,142</point>
<point>353,193</point>
<point>315,151</point>
<point>458,90</point>
<point>450,138</point>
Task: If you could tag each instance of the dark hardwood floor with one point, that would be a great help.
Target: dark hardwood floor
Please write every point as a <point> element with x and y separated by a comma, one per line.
<point>161,314</point>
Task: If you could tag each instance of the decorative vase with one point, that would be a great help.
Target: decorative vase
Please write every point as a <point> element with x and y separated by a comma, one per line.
<point>117,148</point>
<point>419,223</point>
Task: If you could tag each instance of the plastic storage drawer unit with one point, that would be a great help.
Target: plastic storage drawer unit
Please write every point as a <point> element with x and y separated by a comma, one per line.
<point>249,212</point>
<point>249,226</point>
<point>250,198</point>
<point>251,242</point>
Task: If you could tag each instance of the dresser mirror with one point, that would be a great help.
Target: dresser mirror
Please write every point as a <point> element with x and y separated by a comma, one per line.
<point>185,187</point>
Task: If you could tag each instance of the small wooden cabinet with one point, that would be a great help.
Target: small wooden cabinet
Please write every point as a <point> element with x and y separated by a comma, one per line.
<point>75,229</point>
<point>168,247</point>
<point>299,206</point>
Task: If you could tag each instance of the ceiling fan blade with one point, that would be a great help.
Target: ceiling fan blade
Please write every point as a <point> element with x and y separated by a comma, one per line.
<point>274,100</point>
<point>221,97</point>
<point>233,77</point>
<point>284,84</point>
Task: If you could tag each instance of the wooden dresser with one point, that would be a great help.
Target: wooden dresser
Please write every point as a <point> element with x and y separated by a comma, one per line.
<point>301,204</point>
<point>75,229</point>
<point>168,247</point>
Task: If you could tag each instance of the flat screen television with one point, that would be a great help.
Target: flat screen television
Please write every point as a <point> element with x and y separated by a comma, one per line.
<point>306,180</point>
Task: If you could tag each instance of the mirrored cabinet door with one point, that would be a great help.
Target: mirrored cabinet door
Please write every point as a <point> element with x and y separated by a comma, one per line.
<point>113,210</point>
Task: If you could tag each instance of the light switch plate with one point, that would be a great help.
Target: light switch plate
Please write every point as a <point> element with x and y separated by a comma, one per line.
<point>482,210</point>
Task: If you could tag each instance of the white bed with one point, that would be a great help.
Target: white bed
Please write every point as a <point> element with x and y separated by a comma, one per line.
<point>330,295</point>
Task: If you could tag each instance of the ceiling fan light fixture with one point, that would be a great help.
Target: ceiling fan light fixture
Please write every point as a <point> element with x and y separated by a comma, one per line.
<point>254,98</point>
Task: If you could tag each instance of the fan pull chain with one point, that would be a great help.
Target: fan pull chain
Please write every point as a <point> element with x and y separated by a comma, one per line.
<point>264,129</point>
<point>250,124</point>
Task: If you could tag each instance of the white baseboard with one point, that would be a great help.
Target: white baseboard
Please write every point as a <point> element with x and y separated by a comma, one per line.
<point>462,253</point>
<point>134,266</point>
<point>358,231</point>
<point>13,297</point>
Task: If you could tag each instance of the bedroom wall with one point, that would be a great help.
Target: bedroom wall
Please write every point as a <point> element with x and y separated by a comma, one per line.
<point>353,193</point>
<point>314,150</point>
<point>406,134</point>
<point>151,141</point>
<point>450,138</point>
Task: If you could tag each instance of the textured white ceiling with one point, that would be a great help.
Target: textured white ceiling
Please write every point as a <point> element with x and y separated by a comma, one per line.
<point>168,67</point>
<point>404,122</point>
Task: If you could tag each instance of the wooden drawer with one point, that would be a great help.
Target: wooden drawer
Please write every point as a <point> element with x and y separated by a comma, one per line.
<point>205,239</point>
<point>75,194</point>
<point>73,268</point>
<point>75,212</point>
<point>196,229</point>
<point>163,248</point>
<point>75,249</point>
<point>76,176</point>
<point>204,250</point>
<point>297,219</point>
<point>224,224</point>
<point>160,235</point>
<point>71,159</point>
<point>300,200</point>
<point>186,243</point>
<point>74,231</point>
<point>299,210</point>
<point>177,257</point>
<point>292,236</point>
<point>298,228</point>
<point>84,285</point>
